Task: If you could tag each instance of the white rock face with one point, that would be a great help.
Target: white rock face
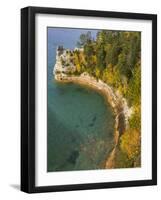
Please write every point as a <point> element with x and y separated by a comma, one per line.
<point>63,63</point>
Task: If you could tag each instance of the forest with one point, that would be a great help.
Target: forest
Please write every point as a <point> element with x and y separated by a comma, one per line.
<point>115,58</point>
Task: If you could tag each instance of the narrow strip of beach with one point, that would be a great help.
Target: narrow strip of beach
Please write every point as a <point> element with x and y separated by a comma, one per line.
<point>117,102</point>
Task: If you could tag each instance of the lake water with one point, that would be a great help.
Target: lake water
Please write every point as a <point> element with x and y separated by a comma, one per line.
<point>80,122</point>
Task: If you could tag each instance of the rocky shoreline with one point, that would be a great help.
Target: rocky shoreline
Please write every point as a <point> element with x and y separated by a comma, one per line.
<point>118,104</point>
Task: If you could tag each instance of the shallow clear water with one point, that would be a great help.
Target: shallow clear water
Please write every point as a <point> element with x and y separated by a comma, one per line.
<point>80,122</point>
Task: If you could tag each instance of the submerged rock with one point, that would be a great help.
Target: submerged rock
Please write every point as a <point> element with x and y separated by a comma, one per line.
<point>73,157</point>
<point>94,118</point>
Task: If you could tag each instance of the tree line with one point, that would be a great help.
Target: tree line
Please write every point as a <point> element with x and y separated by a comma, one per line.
<point>115,58</point>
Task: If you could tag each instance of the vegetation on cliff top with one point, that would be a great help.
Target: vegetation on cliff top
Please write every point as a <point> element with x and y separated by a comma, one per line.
<point>115,58</point>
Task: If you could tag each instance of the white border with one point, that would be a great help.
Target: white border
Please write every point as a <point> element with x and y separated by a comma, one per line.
<point>92,176</point>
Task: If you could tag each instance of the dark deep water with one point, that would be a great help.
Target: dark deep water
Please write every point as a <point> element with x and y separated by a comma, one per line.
<point>80,122</point>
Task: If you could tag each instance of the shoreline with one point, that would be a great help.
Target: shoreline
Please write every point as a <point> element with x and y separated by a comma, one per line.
<point>119,105</point>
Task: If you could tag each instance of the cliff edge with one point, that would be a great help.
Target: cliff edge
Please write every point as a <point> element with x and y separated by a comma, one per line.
<point>63,72</point>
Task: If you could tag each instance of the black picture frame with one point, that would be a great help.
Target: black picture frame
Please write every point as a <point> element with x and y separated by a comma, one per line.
<point>28,98</point>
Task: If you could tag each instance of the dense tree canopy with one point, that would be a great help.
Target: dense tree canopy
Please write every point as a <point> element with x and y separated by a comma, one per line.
<point>116,55</point>
<point>115,58</point>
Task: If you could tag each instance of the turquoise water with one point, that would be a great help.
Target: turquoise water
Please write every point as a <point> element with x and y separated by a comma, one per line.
<point>80,122</point>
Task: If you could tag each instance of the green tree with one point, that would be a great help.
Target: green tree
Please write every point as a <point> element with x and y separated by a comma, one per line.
<point>134,92</point>
<point>84,39</point>
<point>101,55</point>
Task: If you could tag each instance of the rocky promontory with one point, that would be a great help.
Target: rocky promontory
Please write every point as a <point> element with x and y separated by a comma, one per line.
<point>64,72</point>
